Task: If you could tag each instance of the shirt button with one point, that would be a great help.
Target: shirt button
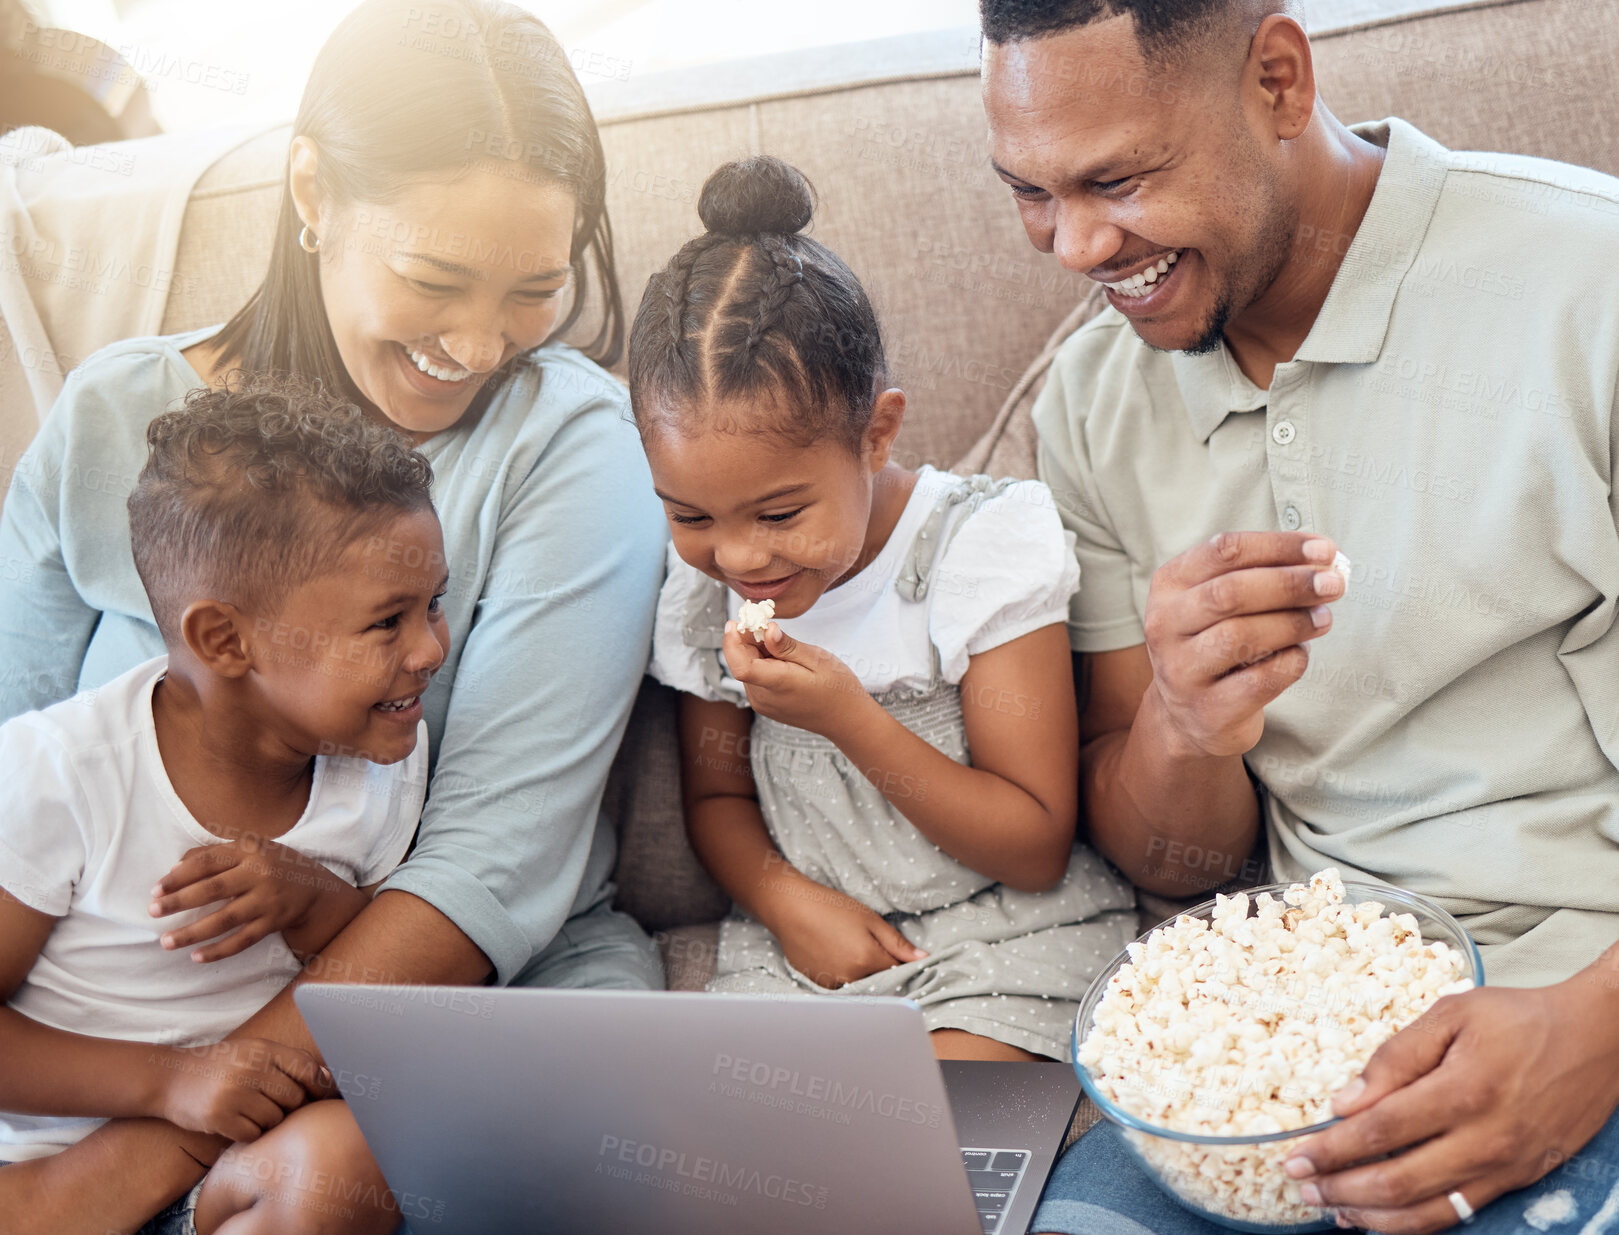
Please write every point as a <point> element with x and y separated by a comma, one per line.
<point>1284,432</point>
<point>1290,518</point>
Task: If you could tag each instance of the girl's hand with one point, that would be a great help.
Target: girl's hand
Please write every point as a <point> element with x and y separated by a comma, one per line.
<point>833,939</point>
<point>239,1088</point>
<point>268,888</point>
<point>795,683</point>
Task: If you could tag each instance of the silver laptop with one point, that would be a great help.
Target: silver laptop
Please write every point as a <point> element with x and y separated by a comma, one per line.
<point>528,1111</point>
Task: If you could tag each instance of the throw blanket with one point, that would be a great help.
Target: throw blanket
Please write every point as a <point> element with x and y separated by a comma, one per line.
<point>88,236</point>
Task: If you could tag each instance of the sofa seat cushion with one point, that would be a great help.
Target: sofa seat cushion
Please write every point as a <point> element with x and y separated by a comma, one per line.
<point>689,953</point>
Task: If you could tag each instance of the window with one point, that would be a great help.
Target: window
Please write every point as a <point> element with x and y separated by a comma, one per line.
<point>212,62</point>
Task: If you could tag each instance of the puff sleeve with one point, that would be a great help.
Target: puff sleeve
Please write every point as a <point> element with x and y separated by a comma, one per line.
<point>1008,570</point>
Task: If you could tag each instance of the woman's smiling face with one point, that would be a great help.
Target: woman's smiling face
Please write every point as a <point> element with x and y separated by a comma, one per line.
<point>431,292</point>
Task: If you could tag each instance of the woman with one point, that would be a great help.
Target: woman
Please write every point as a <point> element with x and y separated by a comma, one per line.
<point>442,223</point>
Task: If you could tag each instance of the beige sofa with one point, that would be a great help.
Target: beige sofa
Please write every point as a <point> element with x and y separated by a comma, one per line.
<point>893,136</point>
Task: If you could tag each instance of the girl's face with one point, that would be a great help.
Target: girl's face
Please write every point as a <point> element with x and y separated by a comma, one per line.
<point>771,519</point>
<point>433,291</point>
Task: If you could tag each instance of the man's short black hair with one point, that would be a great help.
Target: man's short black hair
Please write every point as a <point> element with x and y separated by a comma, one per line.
<point>1162,26</point>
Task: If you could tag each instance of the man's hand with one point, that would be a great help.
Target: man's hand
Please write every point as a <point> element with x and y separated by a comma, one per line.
<point>268,889</point>
<point>794,683</point>
<point>831,938</point>
<point>239,1088</point>
<point>1486,1093</point>
<point>1226,624</point>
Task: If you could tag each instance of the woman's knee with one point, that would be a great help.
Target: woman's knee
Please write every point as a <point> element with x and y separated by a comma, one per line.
<point>311,1175</point>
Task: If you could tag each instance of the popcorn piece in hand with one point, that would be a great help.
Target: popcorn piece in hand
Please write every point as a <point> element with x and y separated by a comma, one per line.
<point>1340,563</point>
<point>754,617</point>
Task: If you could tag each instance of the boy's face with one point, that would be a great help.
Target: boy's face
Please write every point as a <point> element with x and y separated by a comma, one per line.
<point>769,519</point>
<point>341,668</point>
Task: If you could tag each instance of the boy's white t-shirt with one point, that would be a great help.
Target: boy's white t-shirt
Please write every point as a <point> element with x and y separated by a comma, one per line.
<point>1007,571</point>
<point>89,822</point>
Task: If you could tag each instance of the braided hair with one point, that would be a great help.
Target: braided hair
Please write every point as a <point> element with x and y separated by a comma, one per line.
<point>754,312</point>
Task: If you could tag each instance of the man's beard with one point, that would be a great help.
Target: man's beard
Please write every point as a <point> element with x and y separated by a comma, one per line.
<point>1213,336</point>
<point>1268,259</point>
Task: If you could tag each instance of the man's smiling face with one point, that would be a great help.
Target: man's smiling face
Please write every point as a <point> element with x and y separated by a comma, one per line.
<point>1157,179</point>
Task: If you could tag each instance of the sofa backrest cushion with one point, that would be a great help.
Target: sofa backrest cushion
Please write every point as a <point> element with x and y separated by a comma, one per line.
<point>907,198</point>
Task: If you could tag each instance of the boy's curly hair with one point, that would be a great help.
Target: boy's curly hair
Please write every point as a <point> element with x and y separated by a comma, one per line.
<point>252,489</point>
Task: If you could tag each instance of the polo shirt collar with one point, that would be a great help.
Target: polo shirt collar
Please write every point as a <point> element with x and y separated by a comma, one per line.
<point>1354,319</point>
<point>1213,387</point>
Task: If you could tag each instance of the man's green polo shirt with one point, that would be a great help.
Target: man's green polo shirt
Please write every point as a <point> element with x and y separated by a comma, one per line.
<point>1449,421</point>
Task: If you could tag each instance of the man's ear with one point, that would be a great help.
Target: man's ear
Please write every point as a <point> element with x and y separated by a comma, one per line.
<point>216,634</point>
<point>887,415</point>
<point>1281,64</point>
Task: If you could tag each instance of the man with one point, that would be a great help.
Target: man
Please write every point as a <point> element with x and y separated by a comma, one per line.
<point>1320,338</point>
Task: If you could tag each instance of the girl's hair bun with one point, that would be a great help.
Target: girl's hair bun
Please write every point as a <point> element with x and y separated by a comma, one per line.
<point>756,196</point>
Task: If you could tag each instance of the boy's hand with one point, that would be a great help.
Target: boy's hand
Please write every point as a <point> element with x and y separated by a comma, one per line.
<point>239,1088</point>
<point>269,888</point>
<point>794,683</point>
<point>833,939</point>
<point>26,1199</point>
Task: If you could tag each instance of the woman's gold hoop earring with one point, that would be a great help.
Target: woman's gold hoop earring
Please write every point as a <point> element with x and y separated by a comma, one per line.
<point>307,242</point>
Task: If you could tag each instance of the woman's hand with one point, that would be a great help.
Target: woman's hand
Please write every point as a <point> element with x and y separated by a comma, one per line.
<point>1485,1093</point>
<point>239,1088</point>
<point>830,938</point>
<point>268,889</point>
<point>795,683</point>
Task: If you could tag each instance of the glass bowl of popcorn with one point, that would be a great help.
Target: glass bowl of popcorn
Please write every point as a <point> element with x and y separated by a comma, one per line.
<point>1216,1041</point>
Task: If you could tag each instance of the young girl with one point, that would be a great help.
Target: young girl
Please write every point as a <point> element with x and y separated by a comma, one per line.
<point>886,780</point>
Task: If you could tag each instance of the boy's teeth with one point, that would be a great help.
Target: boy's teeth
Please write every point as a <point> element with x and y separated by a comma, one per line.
<point>435,370</point>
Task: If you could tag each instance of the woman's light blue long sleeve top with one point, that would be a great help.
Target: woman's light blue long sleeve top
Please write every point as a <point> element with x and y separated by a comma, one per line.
<point>555,548</point>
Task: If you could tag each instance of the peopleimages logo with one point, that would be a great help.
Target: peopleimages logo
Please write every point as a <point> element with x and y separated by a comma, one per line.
<point>731,1073</point>
<point>673,1170</point>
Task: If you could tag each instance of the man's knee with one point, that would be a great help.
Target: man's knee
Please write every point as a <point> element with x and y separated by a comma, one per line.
<point>599,950</point>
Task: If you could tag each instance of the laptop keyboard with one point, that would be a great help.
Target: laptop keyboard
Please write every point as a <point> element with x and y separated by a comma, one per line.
<point>994,1175</point>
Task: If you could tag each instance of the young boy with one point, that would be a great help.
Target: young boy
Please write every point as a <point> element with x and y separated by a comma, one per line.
<point>273,763</point>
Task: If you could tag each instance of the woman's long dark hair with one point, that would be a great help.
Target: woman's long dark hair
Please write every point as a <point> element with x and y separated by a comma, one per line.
<point>401,93</point>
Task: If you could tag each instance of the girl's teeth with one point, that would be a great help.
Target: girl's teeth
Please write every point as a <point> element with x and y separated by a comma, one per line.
<point>434,370</point>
